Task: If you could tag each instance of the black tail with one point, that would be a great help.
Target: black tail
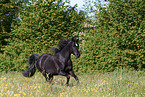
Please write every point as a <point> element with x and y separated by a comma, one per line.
<point>32,68</point>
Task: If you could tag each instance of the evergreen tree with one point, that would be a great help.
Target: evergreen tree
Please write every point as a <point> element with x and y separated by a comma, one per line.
<point>8,14</point>
<point>118,37</point>
<point>43,23</point>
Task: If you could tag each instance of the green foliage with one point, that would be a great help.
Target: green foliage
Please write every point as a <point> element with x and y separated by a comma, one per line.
<point>41,25</point>
<point>114,38</point>
<point>118,37</point>
<point>125,21</point>
<point>8,14</point>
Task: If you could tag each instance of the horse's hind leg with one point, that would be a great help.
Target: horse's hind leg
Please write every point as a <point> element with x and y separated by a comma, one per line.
<point>50,77</point>
<point>45,75</point>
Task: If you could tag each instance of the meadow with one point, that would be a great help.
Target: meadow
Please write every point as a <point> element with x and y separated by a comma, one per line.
<point>120,83</point>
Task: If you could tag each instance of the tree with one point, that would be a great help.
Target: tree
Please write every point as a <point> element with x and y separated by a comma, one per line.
<point>124,19</point>
<point>9,10</point>
<point>43,23</point>
<point>117,38</point>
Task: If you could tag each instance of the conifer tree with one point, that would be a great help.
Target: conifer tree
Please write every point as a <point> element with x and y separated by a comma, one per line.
<point>117,39</point>
<point>43,23</point>
<point>8,14</point>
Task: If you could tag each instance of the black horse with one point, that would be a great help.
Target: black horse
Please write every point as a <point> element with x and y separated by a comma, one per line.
<point>58,64</point>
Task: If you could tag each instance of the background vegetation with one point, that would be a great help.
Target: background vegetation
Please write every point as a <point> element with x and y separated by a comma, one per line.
<point>114,38</point>
<point>117,38</point>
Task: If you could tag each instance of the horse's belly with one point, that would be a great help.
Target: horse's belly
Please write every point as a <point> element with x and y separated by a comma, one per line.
<point>50,67</point>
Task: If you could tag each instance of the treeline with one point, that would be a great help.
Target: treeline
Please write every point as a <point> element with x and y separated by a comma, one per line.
<point>35,28</point>
<point>114,38</point>
<point>118,37</point>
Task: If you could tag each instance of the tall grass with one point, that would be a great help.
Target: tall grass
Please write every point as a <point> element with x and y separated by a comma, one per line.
<point>120,83</point>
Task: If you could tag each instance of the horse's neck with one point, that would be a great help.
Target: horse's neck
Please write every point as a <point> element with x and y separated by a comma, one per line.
<point>65,52</point>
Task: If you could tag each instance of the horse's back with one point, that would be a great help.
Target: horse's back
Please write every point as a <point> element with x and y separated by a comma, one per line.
<point>41,61</point>
<point>46,63</point>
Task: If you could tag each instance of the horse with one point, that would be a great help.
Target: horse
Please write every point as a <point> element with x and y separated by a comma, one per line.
<point>58,64</point>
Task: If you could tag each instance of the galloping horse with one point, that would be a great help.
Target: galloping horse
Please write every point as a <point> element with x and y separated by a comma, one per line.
<point>58,64</point>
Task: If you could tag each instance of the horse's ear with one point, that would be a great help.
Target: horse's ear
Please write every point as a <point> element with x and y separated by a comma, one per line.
<point>77,40</point>
<point>73,39</point>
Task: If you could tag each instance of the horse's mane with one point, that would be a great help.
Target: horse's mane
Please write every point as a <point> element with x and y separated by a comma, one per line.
<point>62,44</point>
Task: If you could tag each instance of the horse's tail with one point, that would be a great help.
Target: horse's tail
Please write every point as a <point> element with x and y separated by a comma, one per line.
<point>32,68</point>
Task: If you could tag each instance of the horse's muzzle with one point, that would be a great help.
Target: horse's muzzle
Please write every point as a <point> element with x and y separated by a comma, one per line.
<point>77,55</point>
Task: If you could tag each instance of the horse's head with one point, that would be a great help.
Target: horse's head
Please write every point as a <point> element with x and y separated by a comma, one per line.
<point>75,47</point>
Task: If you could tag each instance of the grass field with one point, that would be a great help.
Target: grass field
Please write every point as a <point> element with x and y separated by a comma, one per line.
<point>120,83</point>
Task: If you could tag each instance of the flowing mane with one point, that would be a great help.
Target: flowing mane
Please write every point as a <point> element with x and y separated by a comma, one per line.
<point>62,44</point>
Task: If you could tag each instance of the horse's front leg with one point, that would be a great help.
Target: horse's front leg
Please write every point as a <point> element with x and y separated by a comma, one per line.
<point>66,75</point>
<point>69,70</point>
<point>73,75</point>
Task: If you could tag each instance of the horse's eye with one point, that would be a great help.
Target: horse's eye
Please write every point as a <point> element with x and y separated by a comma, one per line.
<point>76,44</point>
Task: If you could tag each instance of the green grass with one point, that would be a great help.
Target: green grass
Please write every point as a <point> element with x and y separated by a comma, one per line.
<point>114,84</point>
